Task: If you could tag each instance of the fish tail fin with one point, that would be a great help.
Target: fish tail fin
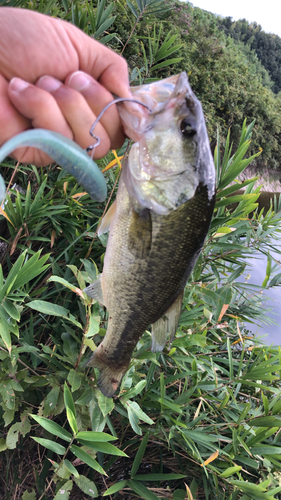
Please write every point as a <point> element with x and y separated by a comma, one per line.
<point>109,378</point>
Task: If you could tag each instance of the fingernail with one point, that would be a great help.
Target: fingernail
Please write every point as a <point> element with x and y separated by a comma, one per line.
<point>17,84</point>
<point>79,81</point>
<point>48,83</point>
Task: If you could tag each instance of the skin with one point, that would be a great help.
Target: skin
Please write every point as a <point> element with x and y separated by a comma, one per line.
<point>54,76</point>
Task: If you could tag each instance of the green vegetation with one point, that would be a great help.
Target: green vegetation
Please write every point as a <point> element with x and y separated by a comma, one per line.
<point>266,46</point>
<point>198,421</point>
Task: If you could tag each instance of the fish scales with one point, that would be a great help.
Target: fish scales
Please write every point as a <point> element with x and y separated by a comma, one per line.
<point>155,281</point>
<point>153,245</point>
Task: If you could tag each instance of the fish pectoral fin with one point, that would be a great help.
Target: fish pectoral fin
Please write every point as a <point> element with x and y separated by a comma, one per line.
<point>94,290</point>
<point>166,325</point>
<point>140,233</point>
<point>107,219</point>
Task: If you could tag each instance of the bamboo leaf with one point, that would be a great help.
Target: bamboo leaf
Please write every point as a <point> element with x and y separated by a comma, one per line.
<point>68,400</point>
<point>103,447</point>
<point>71,468</point>
<point>115,488</point>
<point>95,436</point>
<point>230,471</point>
<point>139,455</point>
<point>86,458</point>
<point>50,445</point>
<point>52,427</point>
<point>164,64</point>
<point>141,490</point>
<point>71,420</point>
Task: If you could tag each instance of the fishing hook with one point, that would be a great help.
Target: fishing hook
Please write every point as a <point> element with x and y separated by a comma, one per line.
<point>119,99</point>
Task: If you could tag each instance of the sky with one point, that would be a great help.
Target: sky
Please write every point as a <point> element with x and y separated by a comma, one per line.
<point>267,13</point>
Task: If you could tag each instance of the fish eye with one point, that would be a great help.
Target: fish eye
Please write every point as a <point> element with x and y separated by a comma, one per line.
<point>187,129</point>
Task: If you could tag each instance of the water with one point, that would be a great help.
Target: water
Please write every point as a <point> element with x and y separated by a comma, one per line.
<point>270,334</point>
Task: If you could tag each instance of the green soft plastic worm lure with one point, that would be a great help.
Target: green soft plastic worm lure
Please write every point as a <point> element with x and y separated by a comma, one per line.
<point>65,153</point>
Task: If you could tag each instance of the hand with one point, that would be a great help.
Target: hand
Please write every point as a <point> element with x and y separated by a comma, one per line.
<point>82,74</point>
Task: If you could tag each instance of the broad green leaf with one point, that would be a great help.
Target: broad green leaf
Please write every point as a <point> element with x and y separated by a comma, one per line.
<point>12,276</point>
<point>94,327</point>
<point>85,398</point>
<point>179,495</point>
<point>71,420</point>
<point>29,495</point>
<point>86,486</point>
<point>53,310</point>
<point>87,459</point>
<point>51,400</point>
<point>95,436</point>
<point>52,427</point>
<point>158,477</point>
<point>115,488</point>
<point>164,64</point>
<point>91,269</point>
<point>103,447</point>
<point>264,449</point>
<point>132,8</point>
<point>51,445</point>
<point>64,491</point>
<point>33,267</point>
<point>62,281</point>
<point>75,379</point>
<point>71,468</point>
<point>230,471</point>
<point>135,409</point>
<point>97,418</point>
<point>139,455</point>
<point>141,490</point>
<point>254,490</point>
<point>11,309</point>
<point>3,445</point>
<point>266,422</point>
<point>68,399</point>
<point>106,404</point>
<point>5,334</point>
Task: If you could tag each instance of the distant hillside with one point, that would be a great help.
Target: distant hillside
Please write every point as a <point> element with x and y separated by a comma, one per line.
<point>229,80</point>
<point>266,45</point>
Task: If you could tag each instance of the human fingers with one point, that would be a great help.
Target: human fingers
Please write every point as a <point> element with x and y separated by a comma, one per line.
<point>97,98</point>
<point>78,115</point>
<point>42,111</point>
<point>11,121</point>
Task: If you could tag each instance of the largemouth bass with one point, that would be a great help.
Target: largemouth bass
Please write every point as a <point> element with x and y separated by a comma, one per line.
<point>157,224</point>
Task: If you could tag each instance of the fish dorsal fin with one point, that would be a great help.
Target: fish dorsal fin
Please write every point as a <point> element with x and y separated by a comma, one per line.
<point>107,219</point>
<point>140,233</point>
<point>166,325</point>
<point>95,291</point>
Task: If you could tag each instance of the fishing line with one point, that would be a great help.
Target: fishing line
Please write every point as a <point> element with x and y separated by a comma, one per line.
<point>119,99</point>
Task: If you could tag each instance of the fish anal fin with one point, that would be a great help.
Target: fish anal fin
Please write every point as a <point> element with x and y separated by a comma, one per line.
<point>95,291</point>
<point>159,332</point>
<point>107,219</point>
<point>140,233</point>
<point>110,377</point>
<point>168,324</point>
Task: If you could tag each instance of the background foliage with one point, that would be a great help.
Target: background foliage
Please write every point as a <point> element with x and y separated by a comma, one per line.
<point>200,420</point>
